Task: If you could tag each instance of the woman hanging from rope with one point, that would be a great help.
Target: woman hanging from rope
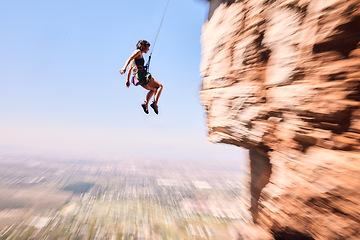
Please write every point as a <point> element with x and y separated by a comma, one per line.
<point>142,77</point>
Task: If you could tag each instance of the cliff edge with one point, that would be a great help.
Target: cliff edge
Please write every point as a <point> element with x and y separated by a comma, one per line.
<point>282,79</point>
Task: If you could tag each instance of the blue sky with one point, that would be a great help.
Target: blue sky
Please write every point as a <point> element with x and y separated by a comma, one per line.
<point>60,89</point>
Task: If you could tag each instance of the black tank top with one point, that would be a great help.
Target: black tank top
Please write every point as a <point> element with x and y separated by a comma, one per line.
<point>139,62</point>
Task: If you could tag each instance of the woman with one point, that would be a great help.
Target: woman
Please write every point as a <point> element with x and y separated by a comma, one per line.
<point>144,78</point>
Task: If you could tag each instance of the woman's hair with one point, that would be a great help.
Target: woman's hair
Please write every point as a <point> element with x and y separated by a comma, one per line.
<point>141,44</point>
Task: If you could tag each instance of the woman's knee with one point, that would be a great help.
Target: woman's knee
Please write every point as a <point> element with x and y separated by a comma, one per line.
<point>157,86</point>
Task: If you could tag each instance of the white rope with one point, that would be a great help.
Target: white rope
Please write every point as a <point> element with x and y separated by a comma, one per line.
<point>162,19</point>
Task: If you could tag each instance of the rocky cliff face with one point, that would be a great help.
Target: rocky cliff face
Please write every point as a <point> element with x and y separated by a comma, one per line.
<point>282,79</point>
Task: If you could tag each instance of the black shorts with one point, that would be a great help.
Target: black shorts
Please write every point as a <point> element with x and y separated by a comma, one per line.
<point>143,77</point>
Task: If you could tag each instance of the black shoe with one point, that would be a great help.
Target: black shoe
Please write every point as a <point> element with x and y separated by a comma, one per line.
<point>155,107</point>
<point>144,106</point>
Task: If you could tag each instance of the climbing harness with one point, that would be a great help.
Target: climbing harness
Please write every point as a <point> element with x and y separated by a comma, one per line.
<point>147,66</point>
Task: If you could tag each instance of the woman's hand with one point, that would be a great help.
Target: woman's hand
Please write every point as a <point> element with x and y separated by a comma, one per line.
<point>127,83</point>
<point>122,71</point>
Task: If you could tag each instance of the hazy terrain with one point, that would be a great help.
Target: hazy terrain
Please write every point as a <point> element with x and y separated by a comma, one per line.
<point>72,198</point>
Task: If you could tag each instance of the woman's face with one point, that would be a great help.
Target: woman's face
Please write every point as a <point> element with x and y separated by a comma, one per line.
<point>146,49</point>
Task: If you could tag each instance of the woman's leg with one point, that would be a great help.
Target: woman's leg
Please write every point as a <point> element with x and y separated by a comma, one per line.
<point>149,94</point>
<point>158,88</point>
<point>147,99</point>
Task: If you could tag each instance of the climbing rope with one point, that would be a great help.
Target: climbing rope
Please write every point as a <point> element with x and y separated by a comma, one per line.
<point>147,66</point>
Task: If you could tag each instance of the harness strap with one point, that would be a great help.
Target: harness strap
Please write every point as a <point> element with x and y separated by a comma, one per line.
<point>142,68</point>
<point>147,66</point>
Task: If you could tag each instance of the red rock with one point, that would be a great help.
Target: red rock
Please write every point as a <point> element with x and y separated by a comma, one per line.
<point>282,79</point>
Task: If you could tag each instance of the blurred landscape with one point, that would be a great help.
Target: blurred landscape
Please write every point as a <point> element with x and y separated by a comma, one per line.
<point>278,78</point>
<point>74,198</point>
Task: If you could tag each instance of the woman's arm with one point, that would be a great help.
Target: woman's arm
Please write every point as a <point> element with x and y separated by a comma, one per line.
<point>128,77</point>
<point>135,54</point>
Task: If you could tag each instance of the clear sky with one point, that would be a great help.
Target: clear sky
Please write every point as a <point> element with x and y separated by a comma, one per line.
<point>60,89</point>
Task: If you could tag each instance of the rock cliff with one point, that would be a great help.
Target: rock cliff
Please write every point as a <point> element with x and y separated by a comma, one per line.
<point>282,79</point>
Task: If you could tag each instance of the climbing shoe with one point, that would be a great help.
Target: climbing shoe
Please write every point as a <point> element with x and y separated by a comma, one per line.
<point>155,107</point>
<point>145,108</point>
